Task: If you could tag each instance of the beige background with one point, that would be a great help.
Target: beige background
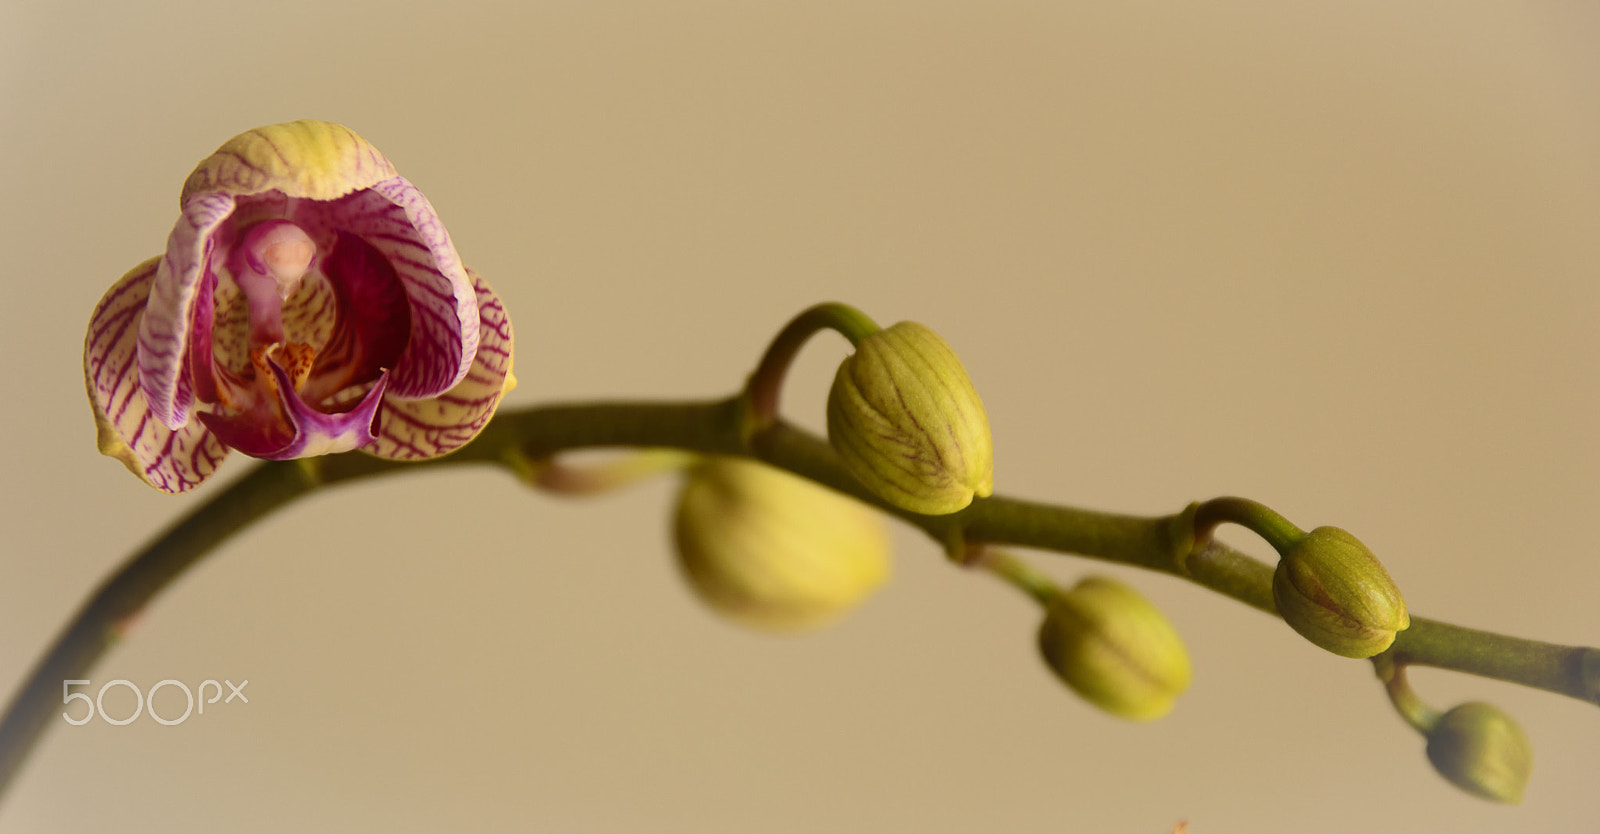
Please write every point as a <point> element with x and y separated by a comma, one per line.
<point>1337,257</point>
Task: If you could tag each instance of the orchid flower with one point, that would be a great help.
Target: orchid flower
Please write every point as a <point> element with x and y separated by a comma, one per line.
<point>309,302</point>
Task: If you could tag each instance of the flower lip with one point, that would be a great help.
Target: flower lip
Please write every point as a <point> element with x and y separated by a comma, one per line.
<point>310,432</point>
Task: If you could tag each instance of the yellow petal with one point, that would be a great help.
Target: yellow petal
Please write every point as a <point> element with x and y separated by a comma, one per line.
<point>171,461</point>
<point>306,159</point>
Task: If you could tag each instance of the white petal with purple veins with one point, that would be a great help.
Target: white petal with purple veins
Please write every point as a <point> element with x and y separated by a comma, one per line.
<point>164,332</point>
<point>444,315</point>
<point>416,430</point>
<point>171,461</point>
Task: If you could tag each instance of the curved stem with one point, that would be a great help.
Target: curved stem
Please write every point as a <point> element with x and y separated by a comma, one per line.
<point>1017,573</point>
<point>559,477</point>
<point>515,437</point>
<point>1255,516</point>
<point>767,381</point>
<point>1419,715</point>
<point>100,622</point>
<point>509,440</point>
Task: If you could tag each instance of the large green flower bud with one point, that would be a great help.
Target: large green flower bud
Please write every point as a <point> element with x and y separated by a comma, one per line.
<point>1482,751</point>
<point>775,551</point>
<point>1116,649</point>
<point>909,425</point>
<point>1331,589</point>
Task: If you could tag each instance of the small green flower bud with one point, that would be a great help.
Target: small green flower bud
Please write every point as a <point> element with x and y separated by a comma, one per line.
<point>1331,589</point>
<point>774,551</point>
<point>909,425</point>
<point>1482,751</point>
<point>1113,647</point>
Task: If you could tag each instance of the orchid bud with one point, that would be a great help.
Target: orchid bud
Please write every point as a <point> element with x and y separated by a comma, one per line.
<point>906,420</point>
<point>774,551</point>
<point>1116,649</point>
<point>1482,751</point>
<point>1329,587</point>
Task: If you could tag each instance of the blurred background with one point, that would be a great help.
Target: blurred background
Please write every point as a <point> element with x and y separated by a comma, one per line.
<point>1340,258</point>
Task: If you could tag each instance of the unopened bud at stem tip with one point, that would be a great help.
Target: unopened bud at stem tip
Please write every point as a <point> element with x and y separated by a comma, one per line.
<point>1115,648</point>
<point>1483,751</point>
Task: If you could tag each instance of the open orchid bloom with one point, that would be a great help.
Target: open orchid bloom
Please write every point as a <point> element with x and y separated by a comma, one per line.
<point>309,302</point>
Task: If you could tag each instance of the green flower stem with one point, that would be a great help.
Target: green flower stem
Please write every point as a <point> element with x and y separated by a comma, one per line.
<point>1017,573</point>
<point>510,440</point>
<point>516,437</point>
<point>1419,715</point>
<point>767,381</point>
<point>100,622</point>
<point>559,477</point>
<point>1569,670</point>
<point>1252,515</point>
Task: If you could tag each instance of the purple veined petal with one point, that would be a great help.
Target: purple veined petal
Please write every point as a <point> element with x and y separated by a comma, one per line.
<point>171,461</point>
<point>369,314</point>
<point>200,344</point>
<point>397,220</point>
<point>305,432</point>
<point>164,332</point>
<point>421,429</point>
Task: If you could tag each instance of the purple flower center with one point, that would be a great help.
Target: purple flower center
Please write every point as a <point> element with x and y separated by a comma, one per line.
<point>293,352</point>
